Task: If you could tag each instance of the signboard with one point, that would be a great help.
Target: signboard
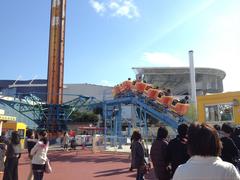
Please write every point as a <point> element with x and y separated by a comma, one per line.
<point>7,118</point>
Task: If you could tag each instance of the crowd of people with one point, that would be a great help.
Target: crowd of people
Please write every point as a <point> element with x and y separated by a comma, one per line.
<point>199,151</point>
<point>10,153</point>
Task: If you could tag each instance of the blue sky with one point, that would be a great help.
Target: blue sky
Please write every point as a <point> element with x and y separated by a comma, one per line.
<point>106,38</point>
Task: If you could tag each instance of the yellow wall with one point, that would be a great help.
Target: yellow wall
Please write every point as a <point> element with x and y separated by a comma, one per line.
<point>17,126</point>
<point>218,99</point>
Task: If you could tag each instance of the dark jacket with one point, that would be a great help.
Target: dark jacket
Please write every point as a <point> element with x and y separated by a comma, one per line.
<point>13,151</point>
<point>229,150</point>
<point>158,156</point>
<point>30,144</point>
<point>11,164</point>
<point>236,140</point>
<point>137,151</point>
<point>177,152</point>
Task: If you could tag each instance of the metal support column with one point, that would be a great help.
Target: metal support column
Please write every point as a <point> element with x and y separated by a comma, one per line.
<point>193,83</point>
<point>105,124</point>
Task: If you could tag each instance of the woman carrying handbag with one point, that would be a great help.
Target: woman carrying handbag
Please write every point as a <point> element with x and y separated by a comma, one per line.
<point>39,156</point>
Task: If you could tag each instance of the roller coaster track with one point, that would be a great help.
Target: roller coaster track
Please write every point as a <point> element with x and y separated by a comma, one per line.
<point>145,107</point>
<point>33,108</point>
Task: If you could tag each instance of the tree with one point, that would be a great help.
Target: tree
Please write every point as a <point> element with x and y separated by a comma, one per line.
<point>192,114</point>
<point>84,117</point>
<point>98,110</point>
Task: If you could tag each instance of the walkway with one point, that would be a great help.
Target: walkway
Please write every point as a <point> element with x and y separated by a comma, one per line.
<point>85,165</point>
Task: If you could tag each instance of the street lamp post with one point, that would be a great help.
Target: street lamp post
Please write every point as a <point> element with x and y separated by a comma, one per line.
<point>193,83</point>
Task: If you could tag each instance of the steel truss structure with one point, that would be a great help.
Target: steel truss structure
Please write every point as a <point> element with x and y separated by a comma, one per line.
<point>42,113</point>
<point>112,112</point>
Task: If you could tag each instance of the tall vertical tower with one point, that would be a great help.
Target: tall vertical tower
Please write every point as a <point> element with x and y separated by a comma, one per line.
<point>56,52</point>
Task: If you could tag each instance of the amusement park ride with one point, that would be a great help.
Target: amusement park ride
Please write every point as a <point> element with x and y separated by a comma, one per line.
<point>54,114</point>
<point>147,101</point>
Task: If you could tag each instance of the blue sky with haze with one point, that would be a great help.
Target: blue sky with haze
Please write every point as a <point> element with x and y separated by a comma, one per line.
<point>106,38</point>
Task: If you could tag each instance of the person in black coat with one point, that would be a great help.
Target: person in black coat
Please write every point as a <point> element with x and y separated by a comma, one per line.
<point>31,141</point>
<point>236,137</point>
<point>137,152</point>
<point>229,150</point>
<point>158,155</point>
<point>12,156</point>
<point>177,148</point>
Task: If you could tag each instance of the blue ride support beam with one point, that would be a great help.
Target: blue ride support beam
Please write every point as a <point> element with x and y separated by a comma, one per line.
<point>117,119</point>
<point>105,124</point>
<point>119,126</point>
<point>145,123</point>
<point>115,129</point>
<point>129,128</point>
<point>142,109</point>
<point>163,116</point>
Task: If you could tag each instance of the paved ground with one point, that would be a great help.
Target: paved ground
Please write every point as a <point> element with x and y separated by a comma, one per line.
<point>84,165</point>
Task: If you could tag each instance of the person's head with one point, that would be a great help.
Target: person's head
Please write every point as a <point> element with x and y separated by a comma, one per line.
<point>182,130</point>
<point>30,133</point>
<point>15,138</point>
<point>203,140</point>
<point>42,135</point>
<point>237,131</point>
<point>2,138</point>
<point>217,127</point>
<point>162,133</point>
<point>227,128</point>
<point>136,136</point>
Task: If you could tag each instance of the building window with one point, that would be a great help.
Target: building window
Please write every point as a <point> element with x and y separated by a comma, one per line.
<point>219,112</point>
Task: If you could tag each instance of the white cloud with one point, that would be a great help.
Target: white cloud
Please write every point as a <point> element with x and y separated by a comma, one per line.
<point>124,8</point>
<point>99,7</point>
<point>113,5</point>
<point>162,59</point>
<point>121,8</point>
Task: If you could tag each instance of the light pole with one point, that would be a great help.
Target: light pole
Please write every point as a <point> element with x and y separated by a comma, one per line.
<point>193,84</point>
